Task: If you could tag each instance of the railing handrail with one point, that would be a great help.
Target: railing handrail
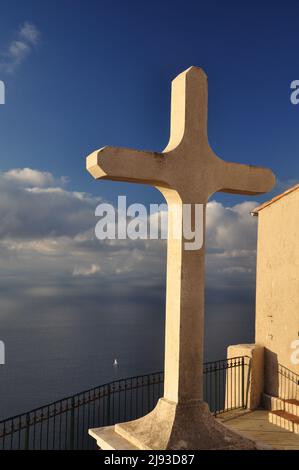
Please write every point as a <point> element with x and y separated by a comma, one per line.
<point>108,384</point>
<point>140,376</point>
<point>289,371</point>
<point>225,360</point>
<point>53,403</point>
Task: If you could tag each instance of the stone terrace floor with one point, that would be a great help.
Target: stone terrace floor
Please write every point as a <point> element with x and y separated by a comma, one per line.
<point>255,425</point>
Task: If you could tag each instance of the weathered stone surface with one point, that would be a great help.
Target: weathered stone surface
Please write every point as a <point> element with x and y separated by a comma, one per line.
<point>277,291</point>
<point>253,380</point>
<point>108,439</point>
<point>180,426</point>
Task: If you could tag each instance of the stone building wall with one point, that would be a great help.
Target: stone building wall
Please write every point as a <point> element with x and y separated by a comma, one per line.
<point>277,294</point>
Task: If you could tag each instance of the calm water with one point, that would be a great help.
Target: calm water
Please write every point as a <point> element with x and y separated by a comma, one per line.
<point>64,349</point>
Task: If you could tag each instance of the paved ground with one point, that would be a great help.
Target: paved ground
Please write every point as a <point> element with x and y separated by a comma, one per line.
<point>255,425</point>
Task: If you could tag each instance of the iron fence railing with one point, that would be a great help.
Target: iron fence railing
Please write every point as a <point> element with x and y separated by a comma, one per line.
<point>226,384</point>
<point>64,424</point>
<point>288,383</point>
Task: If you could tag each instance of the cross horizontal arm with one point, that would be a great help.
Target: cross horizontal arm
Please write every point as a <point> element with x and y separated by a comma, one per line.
<point>122,164</point>
<point>245,179</point>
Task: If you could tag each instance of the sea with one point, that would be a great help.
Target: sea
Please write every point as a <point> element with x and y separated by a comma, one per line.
<point>53,355</point>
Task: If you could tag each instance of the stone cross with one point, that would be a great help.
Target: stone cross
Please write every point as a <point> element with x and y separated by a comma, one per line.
<point>186,172</point>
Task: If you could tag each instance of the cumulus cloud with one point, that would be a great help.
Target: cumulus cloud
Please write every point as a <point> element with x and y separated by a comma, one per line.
<point>231,245</point>
<point>53,266</point>
<point>52,262</point>
<point>31,178</point>
<point>231,228</point>
<point>19,48</point>
<point>86,271</point>
<point>39,215</point>
<point>32,206</point>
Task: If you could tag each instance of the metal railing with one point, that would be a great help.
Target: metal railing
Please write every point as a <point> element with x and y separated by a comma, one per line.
<point>64,424</point>
<point>226,384</point>
<point>288,383</point>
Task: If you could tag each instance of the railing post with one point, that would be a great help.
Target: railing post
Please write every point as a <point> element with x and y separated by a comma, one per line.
<point>27,431</point>
<point>109,405</point>
<point>72,424</point>
<point>215,390</point>
<point>243,384</point>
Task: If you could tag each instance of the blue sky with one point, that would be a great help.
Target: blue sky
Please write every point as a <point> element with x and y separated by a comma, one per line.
<point>83,74</point>
<point>101,70</point>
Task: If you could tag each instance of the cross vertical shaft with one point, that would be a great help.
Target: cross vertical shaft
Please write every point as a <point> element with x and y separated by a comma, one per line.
<point>184,330</point>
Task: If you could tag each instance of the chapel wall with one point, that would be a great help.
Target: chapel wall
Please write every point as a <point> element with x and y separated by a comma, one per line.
<point>277,292</point>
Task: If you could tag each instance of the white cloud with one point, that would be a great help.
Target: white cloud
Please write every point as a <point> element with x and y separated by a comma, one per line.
<point>235,270</point>
<point>29,177</point>
<point>48,246</point>
<point>231,245</point>
<point>18,51</point>
<point>36,205</point>
<point>19,48</point>
<point>231,227</point>
<point>39,216</point>
<point>86,271</point>
<point>30,33</point>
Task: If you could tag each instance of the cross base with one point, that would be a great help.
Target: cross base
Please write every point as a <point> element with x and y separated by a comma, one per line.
<point>172,426</point>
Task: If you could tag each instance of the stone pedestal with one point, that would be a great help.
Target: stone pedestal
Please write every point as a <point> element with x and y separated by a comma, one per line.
<point>253,375</point>
<point>171,426</point>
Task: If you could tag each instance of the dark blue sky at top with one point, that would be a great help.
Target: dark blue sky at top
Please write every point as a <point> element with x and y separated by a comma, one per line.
<point>101,75</point>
